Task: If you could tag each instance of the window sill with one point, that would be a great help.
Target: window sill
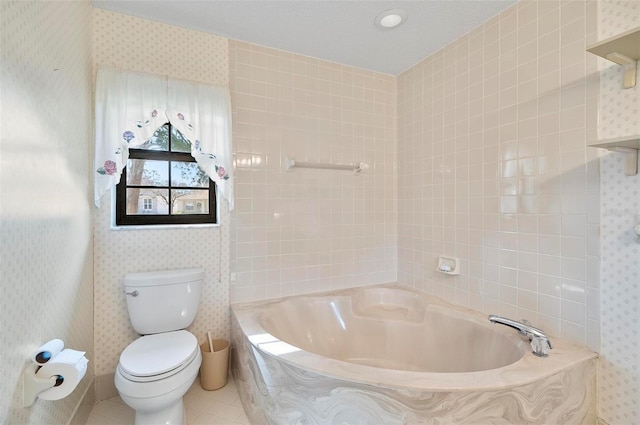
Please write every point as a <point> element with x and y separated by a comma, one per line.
<point>164,226</point>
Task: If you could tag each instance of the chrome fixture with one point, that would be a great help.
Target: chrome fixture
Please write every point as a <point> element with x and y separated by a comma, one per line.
<point>539,341</point>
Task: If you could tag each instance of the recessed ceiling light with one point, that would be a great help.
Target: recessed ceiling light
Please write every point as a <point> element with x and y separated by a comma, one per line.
<point>390,18</point>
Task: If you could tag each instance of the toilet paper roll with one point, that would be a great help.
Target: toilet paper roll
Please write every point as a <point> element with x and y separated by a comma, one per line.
<point>71,365</point>
<point>47,352</point>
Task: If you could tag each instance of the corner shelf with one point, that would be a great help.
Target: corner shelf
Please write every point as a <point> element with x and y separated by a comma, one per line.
<point>629,145</point>
<point>623,49</point>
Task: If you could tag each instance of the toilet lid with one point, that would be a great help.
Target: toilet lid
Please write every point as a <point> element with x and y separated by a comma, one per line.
<point>156,354</point>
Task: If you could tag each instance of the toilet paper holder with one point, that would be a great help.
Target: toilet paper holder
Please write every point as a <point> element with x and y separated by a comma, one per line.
<point>45,376</point>
<point>32,384</point>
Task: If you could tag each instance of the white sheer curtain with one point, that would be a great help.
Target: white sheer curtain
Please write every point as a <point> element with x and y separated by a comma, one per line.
<point>131,106</point>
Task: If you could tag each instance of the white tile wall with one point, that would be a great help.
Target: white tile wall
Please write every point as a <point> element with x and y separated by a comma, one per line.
<point>619,115</point>
<point>132,43</point>
<point>310,230</point>
<point>45,206</point>
<point>493,168</point>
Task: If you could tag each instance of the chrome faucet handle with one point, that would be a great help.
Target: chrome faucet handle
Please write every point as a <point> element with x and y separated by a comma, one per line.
<point>539,341</point>
<point>540,346</point>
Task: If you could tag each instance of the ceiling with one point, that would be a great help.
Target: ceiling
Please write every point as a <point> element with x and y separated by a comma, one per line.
<point>337,31</point>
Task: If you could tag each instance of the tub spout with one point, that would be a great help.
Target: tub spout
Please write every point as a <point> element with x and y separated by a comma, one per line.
<point>539,341</point>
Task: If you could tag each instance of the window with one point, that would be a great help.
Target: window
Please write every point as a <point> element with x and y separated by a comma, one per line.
<point>147,204</point>
<point>131,110</point>
<point>162,184</point>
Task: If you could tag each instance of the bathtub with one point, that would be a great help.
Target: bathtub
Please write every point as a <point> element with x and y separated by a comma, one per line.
<point>387,355</point>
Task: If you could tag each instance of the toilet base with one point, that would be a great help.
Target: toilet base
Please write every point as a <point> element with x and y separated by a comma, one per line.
<point>173,414</point>
<point>159,402</point>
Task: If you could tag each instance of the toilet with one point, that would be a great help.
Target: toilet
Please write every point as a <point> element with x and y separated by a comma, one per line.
<point>156,370</point>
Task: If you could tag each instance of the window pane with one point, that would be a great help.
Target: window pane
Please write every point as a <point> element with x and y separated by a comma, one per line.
<point>190,201</point>
<point>188,174</point>
<point>147,201</point>
<point>158,142</point>
<point>146,172</point>
<point>179,143</point>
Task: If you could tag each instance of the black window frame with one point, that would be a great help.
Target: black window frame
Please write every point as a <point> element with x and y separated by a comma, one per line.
<point>123,219</point>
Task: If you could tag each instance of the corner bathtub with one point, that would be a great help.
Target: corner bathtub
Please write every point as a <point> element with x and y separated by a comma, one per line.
<point>387,355</point>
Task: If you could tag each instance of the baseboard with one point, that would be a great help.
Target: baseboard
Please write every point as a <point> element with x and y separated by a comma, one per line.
<point>83,410</point>
<point>105,387</point>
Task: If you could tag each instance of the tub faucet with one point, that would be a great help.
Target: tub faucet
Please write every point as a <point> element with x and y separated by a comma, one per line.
<point>539,341</point>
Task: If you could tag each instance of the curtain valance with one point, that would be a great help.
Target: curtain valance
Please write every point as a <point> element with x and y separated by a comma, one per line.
<point>131,106</point>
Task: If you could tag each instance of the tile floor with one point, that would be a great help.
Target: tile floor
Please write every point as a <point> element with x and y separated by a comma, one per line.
<point>220,407</point>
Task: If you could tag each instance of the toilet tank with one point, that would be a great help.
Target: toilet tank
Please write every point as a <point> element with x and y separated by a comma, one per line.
<point>163,301</point>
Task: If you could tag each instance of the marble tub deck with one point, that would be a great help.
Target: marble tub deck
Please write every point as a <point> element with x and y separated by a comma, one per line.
<point>282,385</point>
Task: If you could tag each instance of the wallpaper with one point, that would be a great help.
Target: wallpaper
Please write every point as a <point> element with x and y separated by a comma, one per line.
<point>619,115</point>
<point>126,42</point>
<point>45,208</point>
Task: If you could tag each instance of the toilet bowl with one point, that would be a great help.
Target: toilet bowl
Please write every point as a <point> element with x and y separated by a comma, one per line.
<point>156,370</point>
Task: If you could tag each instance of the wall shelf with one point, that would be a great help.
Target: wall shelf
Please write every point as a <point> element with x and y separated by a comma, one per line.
<point>623,49</point>
<point>628,145</point>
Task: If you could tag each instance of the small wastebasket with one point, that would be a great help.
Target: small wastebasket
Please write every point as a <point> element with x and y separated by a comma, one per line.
<point>215,366</point>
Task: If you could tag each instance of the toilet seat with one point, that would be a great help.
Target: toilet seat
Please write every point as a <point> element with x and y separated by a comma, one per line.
<point>158,356</point>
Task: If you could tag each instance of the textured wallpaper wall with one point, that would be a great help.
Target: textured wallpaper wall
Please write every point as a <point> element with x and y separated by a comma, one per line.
<point>619,115</point>
<point>131,43</point>
<point>310,230</point>
<point>494,169</point>
<point>45,203</point>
